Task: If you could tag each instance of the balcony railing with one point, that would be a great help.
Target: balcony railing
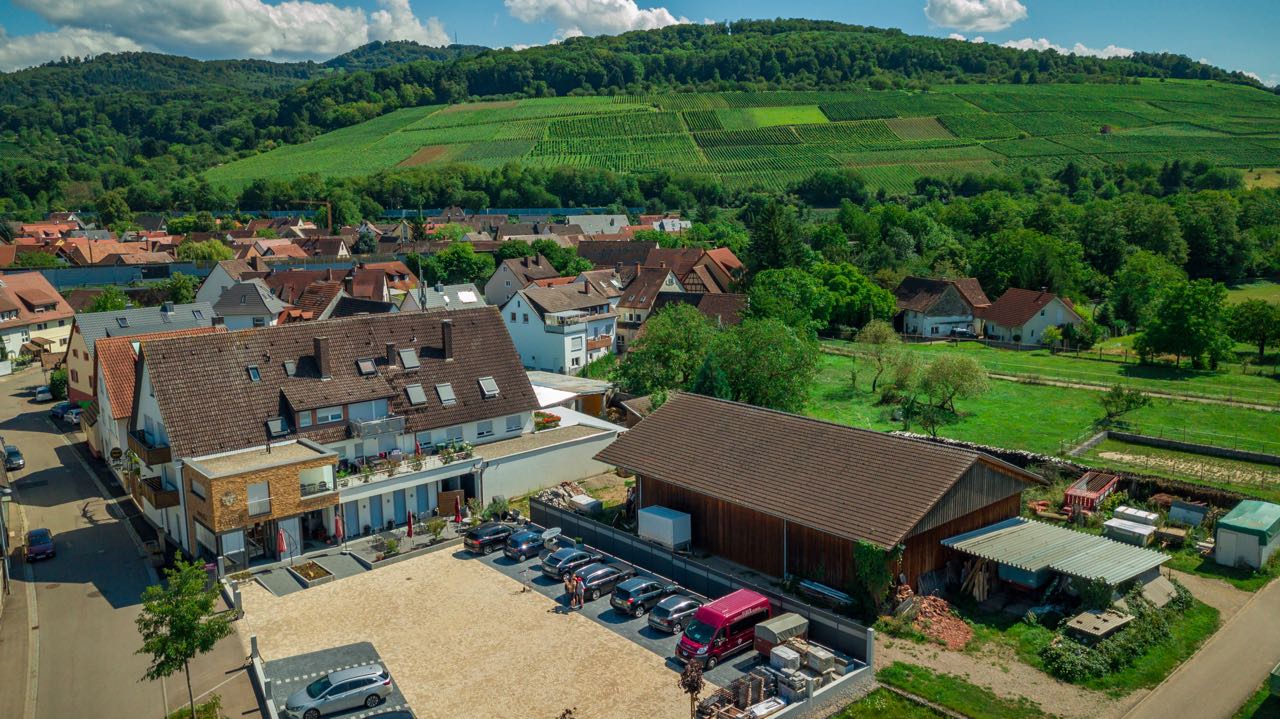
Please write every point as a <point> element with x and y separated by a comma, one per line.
<point>150,452</point>
<point>258,507</point>
<point>311,489</point>
<point>156,494</point>
<point>375,427</point>
<point>372,473</point>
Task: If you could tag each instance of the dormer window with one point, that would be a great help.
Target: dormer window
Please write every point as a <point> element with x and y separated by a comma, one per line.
<point>365,366</point>
<point>276,427</point>
<point>290,368</point>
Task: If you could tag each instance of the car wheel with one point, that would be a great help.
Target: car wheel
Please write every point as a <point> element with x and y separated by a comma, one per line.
<point>638,611</point>
<point>372,701</point>
<point>711,663</point>
<point>488,549</point>
<point>311,714</point>
<point>593,595</point>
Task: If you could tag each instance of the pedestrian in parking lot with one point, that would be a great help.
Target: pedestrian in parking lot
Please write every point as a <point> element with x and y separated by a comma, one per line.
<point>580,591</point>
<point>568,590</point>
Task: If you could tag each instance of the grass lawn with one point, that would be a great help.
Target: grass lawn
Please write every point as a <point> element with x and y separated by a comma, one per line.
<point>884,704</point>
<point>1186,635</point>
<point>1262,705</point>
<point>1257,480</point>
<point>1039,418</point>
<point>1243,579</point>
<point>957,694</point>
<point>1257,290</point>
<point>1108,369</point>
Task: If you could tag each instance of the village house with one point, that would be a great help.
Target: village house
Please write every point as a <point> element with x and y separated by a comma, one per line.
<point>515,274</point>
<point>599,224</point>
<point>935,307</point>
<point>250,304</point>
<point>439,297</point>
<point>638,300</point>
<point>227,273</point>
<point>34,318</point>
<point>1021,316</point>
<point>561,328</point>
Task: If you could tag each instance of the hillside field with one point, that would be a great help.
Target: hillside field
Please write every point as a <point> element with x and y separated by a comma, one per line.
<point>771,139</point>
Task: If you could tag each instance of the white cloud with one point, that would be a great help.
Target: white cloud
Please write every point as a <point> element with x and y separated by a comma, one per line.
<point>27,50</point>
<point>984,15</point>
<point>956,36</point>
<point>293,29</point>
<point>1042,44</point>
<point>592,17</point>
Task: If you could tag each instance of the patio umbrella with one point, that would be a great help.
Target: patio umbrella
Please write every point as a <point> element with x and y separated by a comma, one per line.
<point>281,547</point>
<point>339,531</point>
<point>410,525</point>
<point>457,510</point>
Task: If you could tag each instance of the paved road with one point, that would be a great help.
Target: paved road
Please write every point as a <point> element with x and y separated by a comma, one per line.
<point>1228,668</point>
<point>83,635</point>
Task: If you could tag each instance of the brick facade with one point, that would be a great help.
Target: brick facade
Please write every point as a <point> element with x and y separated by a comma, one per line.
<point>226,503</point>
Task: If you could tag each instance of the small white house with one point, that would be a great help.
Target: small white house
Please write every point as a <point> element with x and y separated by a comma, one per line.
<point>1022,316</point>
<point>560,329</point>
<point>514,275</point>
<point>249,304</point>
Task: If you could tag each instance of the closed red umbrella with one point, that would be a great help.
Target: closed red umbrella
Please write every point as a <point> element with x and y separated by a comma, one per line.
<point>339,531</point>
<point>410,525</point>
<point>281,548</point>
<point>457,510</point>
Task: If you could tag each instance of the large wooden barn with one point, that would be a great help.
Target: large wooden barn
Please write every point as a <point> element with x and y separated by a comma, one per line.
<point>785,494</point>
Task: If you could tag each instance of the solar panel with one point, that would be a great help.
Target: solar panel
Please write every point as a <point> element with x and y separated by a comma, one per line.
<point>416,394</point>
<point>409,358</point>
<point>467,296</point>
<point>445,391</point>
<point>489,386</point>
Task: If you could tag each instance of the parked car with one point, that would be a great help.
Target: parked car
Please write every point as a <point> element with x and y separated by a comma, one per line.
<point>963,333</point>
<point>72,416</point>
<point>486,538</point>
<point>523,544</point>
<point>340,691</point>
<point>600,579</point>
<point>40,545</point>
<point>562,561</point>
<point>43,393</point>
<point>13,458</point>
<point>673,613</point>
<point>60,409</point>
<point>639,594</point>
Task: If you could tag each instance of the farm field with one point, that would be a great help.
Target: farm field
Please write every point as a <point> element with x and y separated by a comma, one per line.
<point>768,140</point>
<point>1257,290</point>
<point>1108,369</point>
<point>1259,480</point>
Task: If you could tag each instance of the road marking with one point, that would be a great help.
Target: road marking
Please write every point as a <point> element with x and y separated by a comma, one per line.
<point>33,641</point>
<point>231,678</point>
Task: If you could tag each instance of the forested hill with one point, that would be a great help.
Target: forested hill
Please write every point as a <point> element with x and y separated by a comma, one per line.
<point>379,54</point>
<point>72,129</point>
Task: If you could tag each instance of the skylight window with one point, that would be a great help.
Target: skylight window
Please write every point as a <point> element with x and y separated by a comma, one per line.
<point>198,314</point>
<point>417,395</point>
<point>467,296</point>
<point>276,427</point>
<point>122,321</point>
<point>489,386</point>
<point>409,358</point>
<point>445,392</point>
<point>254,374</point>
<point>365,366</point>
<point>290,367</point>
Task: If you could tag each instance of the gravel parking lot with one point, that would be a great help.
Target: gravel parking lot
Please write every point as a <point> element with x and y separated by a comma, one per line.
<point>463,640</point>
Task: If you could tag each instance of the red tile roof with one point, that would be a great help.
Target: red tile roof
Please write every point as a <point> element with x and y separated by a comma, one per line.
<point>24,292</point>
<point>116,359</point>
<point>1016,306</point>
<point>919,293</point>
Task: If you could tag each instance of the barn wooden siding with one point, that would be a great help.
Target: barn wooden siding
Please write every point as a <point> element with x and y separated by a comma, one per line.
<point>981,486</point>
<point>925,553</point>
<point>739,534</point>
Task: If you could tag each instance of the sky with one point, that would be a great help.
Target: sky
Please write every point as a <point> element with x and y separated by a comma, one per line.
<point>1235,34</point>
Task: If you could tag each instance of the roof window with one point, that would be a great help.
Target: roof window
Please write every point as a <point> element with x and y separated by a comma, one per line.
<point>122,321</point>
<point>290,367</point>
<point>417,395</point>
<point>254,374</point>
<point>409,358</point>
<point>365,366</point>
<point>445,392</point>
<point>489,386</point>
<point>276,427</point>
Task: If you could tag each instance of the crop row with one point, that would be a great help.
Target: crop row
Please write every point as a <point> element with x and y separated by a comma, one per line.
<point>867,133</point>
<point>918,128</point>
<point>759,136</point>
<point>979,126</point>
<point>702,120</point>
<point>629,124</point>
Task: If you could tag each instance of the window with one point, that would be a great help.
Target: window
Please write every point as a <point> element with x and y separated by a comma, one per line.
<point>198,314</point>
<point>575,343</point>
<point>63,323</point>
<point>259,321</point>
<point>489,386</point>
<point>122,322</point>
<point>575,361</point>
<point>453,434</point>
<point>409,358</point>
<point>254,374</point>
<point>423,439</point>
<point>290,368</point>
<point>325,415</point>
<point>417,396</point>
<point>513,317</point>
<point>508,283</point>
<point>198,489</point>
<point>445,392</point>
<point>244,299</point>
<point>526,318</point>
<point>365,366</point>
<point>75,376</point>
<point>259,499</point>
<point>304,419</point>
<point>514,424</point>
<point>276,427</point>
<point>484,429</point>
<point>75,353</point>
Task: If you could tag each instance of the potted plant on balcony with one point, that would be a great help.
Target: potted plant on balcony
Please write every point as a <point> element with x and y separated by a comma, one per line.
<point>416,462</point>
<point>366,472</point>
<point>545,420</point>
<point>448,454</point>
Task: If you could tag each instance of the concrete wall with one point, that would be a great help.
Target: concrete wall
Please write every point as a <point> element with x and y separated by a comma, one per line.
<point>520,474</point>
<point>1211,450</point>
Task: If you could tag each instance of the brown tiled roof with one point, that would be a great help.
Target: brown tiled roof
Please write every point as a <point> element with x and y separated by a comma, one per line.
<point>722,308</point>
<point>706,278</point>
<point>23,292</point>
<point>367,284</point>
<point>528,269</point>
<point>642,291</point>
<point>853,483</point>
<point>562,298</point>
<point>287,250</point>
<point>238,269</point>
<point>289,285</point>
<point>602,282</point>
<point>398,275</point>
<point>210,405</point>
<point>1016,306</point>
<point>919,293</point>
<point>971,289</point>
<point>116,358</point>
<point>726,260</point>
<point>339,390</point>
<point>606,254</point>
<point>8,254</point>
<point>679,260</point>
<point>139,258</point>
<point>317,296</point>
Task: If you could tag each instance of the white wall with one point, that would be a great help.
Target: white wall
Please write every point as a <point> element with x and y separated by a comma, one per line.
<point>211,289</point>
<point>244,322</point>
<point>502,285</point>
<point>918,323</point>
<point>538,348</point>
<point>520,474</point>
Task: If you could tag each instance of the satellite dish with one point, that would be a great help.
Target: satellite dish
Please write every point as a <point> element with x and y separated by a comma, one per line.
<point>551,534</point>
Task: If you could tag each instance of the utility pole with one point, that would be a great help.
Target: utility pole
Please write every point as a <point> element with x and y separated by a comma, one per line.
<point>328,210</point>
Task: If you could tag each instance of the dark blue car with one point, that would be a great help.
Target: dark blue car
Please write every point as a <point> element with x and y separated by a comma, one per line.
<point>40,545</point>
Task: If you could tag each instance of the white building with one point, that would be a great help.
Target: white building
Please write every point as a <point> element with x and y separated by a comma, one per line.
<point>250,304</point>
<point>560,329</point>
<point>514,275</point>
<point>1022,316</point>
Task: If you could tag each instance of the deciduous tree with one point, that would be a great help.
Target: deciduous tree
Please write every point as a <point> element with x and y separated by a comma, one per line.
<point>675,342</point>
<point>110,300</point>
<point>209,250</point>
<point>1255,322</point>
<point>881,344</point>
<point>1189,321</point>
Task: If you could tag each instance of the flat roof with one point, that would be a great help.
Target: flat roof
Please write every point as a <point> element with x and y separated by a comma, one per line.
<point>1261,519</point>
<point>535,440</point>
<point>568,383</point>
<point>1033,547</point>
<point>257,459</point>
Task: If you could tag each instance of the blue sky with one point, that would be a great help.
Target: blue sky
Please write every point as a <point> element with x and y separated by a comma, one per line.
<point>1236,34</point>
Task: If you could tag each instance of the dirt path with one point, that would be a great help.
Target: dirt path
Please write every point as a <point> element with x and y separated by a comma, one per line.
<point>1000,671</point>
<point>1216,593</point>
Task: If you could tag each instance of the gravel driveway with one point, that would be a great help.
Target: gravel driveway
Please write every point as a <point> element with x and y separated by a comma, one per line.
<point>465,641</point>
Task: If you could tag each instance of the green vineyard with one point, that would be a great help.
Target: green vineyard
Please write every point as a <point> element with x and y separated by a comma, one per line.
<point>769,140</point>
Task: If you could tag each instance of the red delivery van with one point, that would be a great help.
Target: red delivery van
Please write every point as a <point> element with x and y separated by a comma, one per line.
<point>723,627</point>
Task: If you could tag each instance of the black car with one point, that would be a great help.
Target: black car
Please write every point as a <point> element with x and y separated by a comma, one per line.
<point>963,333</point>
<point>562,561</point>
<point>639,594</point>
<point>523,545</point>
<point>486,538</point>
<point>60,409</point>
<point>600,579</point>
<point>673,613</point>
<point>13,458</point>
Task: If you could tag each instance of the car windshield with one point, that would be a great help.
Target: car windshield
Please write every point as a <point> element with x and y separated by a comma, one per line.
<point>699,632</point>
<point>318,687</point>
<point>40,536</point>
<point>12,451</point>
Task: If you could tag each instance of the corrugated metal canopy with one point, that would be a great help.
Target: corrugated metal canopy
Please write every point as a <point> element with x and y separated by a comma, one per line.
<point>1033,547</point>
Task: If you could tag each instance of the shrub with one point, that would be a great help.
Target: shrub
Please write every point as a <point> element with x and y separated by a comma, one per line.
<point>436,526</point>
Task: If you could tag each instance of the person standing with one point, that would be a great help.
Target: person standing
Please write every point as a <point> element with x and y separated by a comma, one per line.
<point>580,591</point>
<point>568,590</point>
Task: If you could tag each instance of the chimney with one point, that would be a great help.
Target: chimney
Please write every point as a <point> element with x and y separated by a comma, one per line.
<point>618,268</point>
<point>637,269</point>
<point>446,339</point>
<point>537,259</point>
<point>217,321</point>
<point>663,264</point>
<point>320,350</point>
<point>391,354</point>
<point>439,286</point>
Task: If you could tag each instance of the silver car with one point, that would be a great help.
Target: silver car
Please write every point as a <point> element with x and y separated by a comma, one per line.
<point>340,691</point>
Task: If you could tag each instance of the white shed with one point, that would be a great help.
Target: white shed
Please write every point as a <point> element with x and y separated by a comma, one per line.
<point>1248,535</point>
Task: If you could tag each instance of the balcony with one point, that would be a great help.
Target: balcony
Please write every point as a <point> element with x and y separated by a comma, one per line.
<point>156,494</point>
<point>149,452</point>
<point>382,470</point>
<point>376,427</point>
<point>311,489</point>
